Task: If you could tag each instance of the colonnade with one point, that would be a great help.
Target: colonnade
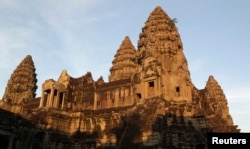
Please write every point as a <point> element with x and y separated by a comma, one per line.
<point>53,95</point>
<point>115,97</point>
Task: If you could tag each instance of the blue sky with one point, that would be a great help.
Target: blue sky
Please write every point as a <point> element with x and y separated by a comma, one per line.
<point>83,35</point>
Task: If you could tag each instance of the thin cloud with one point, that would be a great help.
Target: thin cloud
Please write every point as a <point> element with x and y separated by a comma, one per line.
<point>236,95</point>
<point>112,14</point>
<point>91,19</point>
<point>195,64</point>
<point>47,33</point>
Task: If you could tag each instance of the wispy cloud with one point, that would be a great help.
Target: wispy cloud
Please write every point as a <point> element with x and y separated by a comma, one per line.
<point>55,33</point>
<point>239,94</point>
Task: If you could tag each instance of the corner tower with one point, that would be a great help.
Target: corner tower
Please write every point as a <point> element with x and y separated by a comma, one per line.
<point>160,53</point>
<point>22,83</point>
<point>123,67</point>
<point>216,108</point>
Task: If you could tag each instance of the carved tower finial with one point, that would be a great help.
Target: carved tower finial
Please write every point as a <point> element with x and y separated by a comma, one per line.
<point>64,78</point>
<point>159,35</point>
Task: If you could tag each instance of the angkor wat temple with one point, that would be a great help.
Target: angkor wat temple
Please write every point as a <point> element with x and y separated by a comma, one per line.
<point>148,102</point>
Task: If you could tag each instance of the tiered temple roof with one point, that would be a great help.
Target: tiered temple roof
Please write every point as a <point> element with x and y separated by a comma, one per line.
<point>159,34</point>
<point>22,83</point>
<point>123,66</point>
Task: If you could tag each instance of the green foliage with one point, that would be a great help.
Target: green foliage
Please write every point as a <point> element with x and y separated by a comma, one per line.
<point>173,22</point>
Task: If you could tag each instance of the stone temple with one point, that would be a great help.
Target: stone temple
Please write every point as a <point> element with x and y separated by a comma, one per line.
<point>148,102</point>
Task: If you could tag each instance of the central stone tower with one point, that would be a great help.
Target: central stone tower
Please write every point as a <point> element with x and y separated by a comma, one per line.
<point>163,69</point>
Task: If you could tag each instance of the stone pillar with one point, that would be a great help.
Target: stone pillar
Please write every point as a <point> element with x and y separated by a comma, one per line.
<point>48,98</point>
<point>95,101</point>
<point>42,99</point>
<point>123,91</point>
<point>129,90</point>
<point>109,104</point>
<point>63,99</point>
<point>121,96</point>
<point>116,96</point>
<point>56,100</point>
<point>142,89</point>
<point>145,89</point>
<point>131,94</point>
<point>158,86</point>
<point>51,98</point>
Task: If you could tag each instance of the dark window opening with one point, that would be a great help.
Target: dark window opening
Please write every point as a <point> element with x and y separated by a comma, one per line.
<point>177,89</point>
<point>151,84</point>
<point>98,102</point>
<point>47,91</point>
<point>138,95</point>
<point>46,96</point>
<point>60,100</point>
<point>151,88</point>
<point>55,92</point>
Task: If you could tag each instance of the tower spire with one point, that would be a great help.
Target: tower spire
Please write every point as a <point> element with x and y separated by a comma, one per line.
<point>123,67</point>
<point>160,40</point>
<point>216,107</point>
<point>159,35</point>
<point>22,83</point>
